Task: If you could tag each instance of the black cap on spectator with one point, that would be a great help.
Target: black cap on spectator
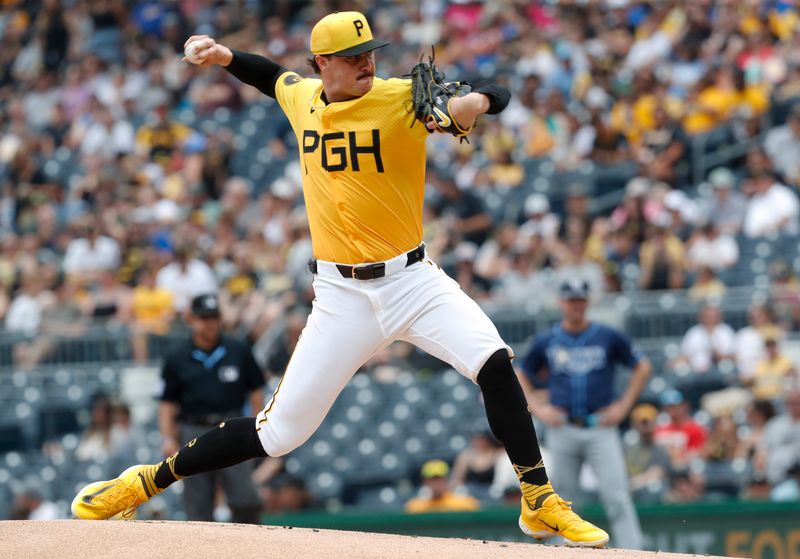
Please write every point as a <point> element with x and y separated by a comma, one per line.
<point>206,305</point>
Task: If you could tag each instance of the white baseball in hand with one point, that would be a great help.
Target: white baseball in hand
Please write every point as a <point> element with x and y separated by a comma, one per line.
<point>192,50</point>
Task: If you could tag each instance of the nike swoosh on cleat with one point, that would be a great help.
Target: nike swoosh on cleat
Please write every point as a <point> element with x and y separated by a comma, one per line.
<point>553,528</point>
<point>88,498</point>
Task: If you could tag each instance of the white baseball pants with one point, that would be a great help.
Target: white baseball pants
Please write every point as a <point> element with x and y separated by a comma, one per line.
<point>351,320</point>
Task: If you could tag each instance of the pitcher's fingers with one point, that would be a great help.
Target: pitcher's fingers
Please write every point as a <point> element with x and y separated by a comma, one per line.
<point>195,38</point>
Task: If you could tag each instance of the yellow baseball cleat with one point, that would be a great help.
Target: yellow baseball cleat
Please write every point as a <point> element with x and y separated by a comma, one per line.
<point>104,499</point>
<point>556,518</point>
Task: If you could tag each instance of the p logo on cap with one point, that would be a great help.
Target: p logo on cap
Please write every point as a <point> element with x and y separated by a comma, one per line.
<point>343,34</point>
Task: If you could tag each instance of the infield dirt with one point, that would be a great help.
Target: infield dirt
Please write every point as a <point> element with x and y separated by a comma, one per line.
<point>200,540</point>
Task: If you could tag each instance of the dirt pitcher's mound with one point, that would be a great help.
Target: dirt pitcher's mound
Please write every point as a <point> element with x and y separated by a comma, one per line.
<point>201,540</point>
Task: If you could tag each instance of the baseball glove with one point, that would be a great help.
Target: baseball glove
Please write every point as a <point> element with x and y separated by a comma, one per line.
<point>431,96</point>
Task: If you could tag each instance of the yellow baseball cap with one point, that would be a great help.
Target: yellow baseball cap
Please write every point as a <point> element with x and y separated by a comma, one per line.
<point>343,34</point>
<point>434,468</point>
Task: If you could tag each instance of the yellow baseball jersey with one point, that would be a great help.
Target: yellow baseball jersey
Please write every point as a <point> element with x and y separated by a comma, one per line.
<point>363,167</point>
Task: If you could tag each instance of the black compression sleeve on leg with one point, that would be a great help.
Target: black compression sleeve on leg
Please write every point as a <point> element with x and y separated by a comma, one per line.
<point>230,442</point>
<point>509,419</point>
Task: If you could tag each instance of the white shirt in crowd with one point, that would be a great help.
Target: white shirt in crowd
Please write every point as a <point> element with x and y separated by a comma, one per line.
<point>24,314</point>
<point>699,345</point>
<point>783,148</point>
<point>85,256</point>
<point>749,351</point>
<point>767,211</point>
<point>545,225</point>
<point>718,253</point>
<point>185,284</point>
<point>108,142</point>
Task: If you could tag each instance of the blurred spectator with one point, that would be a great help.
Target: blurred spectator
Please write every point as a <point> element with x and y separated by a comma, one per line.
<point>788,489</point>
<point>464,273</point>
<point>494,257</point>
<point>662,259</point>
<point>539,220</point>
<point>706,286</point>
<point>758,489</point>
<point>683,212</point>
<point>660,149</point>
<point>283,347</point>
<point>160,137</point>
<point>186,278</point>
<point>682,436</point>
<point>632,213</point>
<point>109,300</point>
<point>214,90</point>
<point>708,247</point>
<point>577,222</point>
<point>782,145</point>
<point>623,250</point>
<point>773,371</point>
<point>785,294</point>
<point>284,494</point>
<point>24,314</point>
<point>750,340</point>
<point>726,208</point>
<point>648,464</point>
<point>723,440</point>
<point>90,253</point>
<point>477,463</point>
<point>772,209</point>
<point>707,343</point>
<point>62,317</point>
<point>462,211</point>
<point>152,313</point>
<point>687,486</point>
<point>759,412</point>
<point>125,436</point>
<point>95,444</point>
<point>610,146</point>
<point>780,448</point>
<point>435,495</point>
<point>31,505</point>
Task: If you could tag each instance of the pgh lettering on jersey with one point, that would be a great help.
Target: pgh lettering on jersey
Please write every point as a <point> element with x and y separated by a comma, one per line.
<point>363,168</point>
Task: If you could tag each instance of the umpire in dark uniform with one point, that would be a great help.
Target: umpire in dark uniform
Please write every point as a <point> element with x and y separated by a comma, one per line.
<point>206,379</point>
<point>573,367</point>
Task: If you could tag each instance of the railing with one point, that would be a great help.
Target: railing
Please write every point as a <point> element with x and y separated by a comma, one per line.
<point>641,314</point>
<point>98,344</point>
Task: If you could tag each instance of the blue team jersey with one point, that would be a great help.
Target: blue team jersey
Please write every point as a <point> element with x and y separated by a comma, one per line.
<point>579,367</point>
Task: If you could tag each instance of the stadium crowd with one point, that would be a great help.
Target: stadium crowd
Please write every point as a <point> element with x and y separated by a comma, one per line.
<point>122,193</point>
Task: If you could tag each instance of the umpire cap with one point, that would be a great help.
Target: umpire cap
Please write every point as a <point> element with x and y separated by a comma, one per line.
<point>206,305</point>
<point>574,288</point>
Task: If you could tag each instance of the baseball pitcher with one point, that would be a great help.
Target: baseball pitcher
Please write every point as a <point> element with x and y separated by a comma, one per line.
<point>362,154</point>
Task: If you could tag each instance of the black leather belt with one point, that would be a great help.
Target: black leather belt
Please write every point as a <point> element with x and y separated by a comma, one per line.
<point>371,271</point>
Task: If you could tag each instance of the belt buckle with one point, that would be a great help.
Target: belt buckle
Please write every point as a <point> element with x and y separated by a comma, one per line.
<point>353,272</point>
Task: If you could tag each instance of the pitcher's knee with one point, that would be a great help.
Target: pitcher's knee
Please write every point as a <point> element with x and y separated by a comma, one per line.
<point>276,445</point>
<point>496,370</point>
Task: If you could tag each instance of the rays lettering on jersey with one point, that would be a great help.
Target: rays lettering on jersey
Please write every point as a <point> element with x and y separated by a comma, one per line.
<point>576,361</point>
<point>335,158</point>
